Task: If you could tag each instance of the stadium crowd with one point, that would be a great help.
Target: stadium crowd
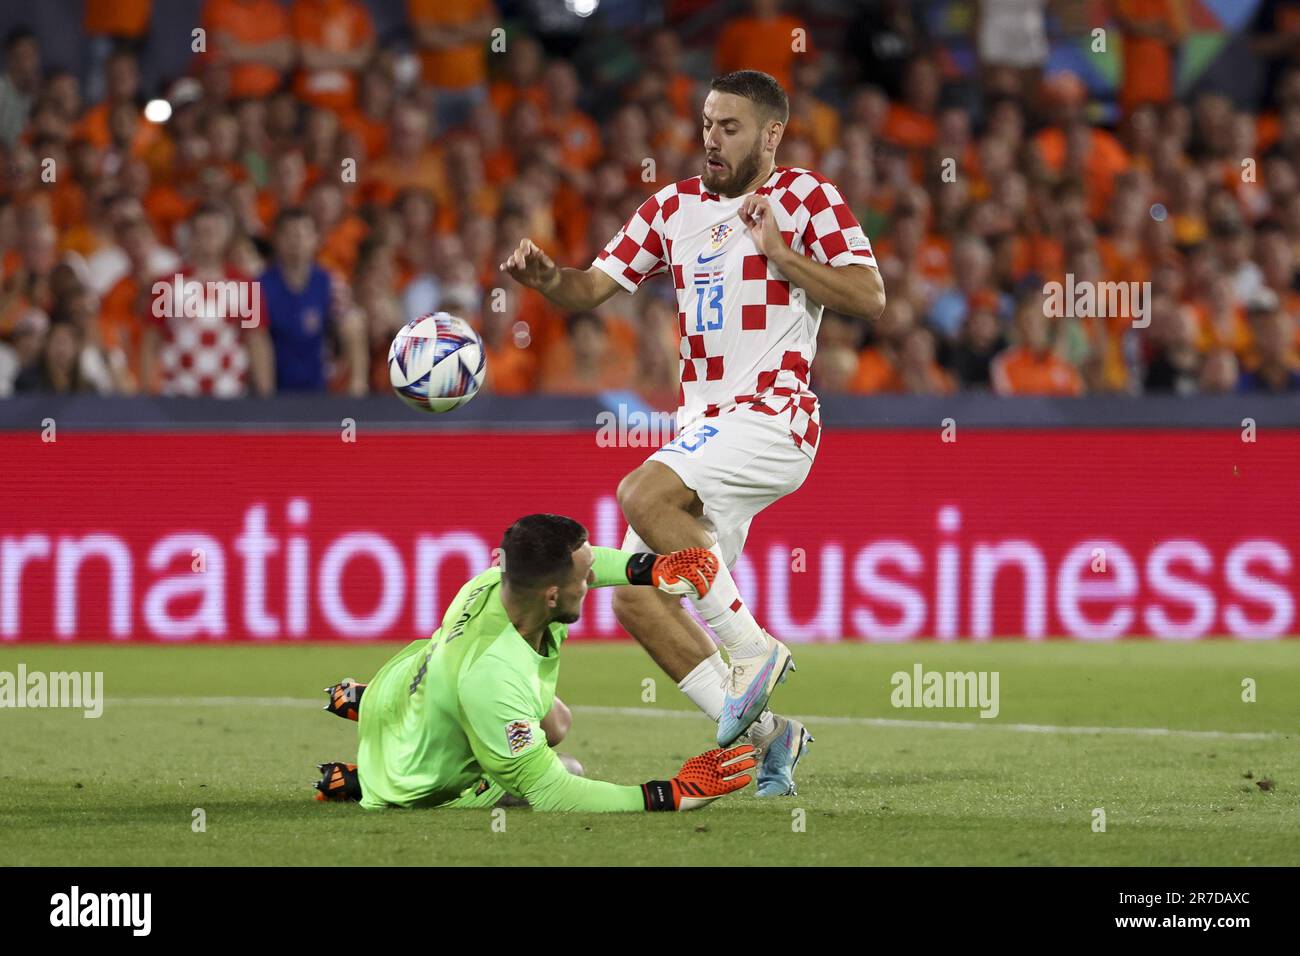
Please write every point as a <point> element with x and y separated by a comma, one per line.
<point>366,184</point>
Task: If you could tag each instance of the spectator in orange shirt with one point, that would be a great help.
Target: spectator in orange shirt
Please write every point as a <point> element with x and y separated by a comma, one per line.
<point>253,39</point>
<point>341,231</point>
<point>810,116</point>
<point>764,40</point>
<point>369,121</point>
<point>1077,150</point>
<point>111,261</point>
<point>488,129</point>
<point>452,36</point>
<point>509,339</point>
<point>585,361</point>
<point>878,366</point>
<point>910,123</point>
<point>472,196</point>
<point>410,162</point>
<point>125,309</point>
<point>336,39</point>
<point>1031,367</point>
<point>1151,31</point>
<point>578,134</point>
<point>123,79</point>
<point>524,64</point>
<point>663,57</point>
<point>1221,320</point>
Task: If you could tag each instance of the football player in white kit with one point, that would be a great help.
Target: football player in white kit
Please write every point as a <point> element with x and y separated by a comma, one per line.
<point>755,252</point>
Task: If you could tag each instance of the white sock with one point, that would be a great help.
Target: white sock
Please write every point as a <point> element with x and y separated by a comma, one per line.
<point>728,617</point>
<point>703,685</point>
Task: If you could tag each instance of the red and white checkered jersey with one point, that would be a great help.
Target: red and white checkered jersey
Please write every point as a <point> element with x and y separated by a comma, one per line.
<point>203,350</point>
<point>747,336</point>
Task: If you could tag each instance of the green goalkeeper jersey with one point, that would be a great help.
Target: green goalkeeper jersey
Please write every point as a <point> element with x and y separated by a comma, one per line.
<point>463,709</point>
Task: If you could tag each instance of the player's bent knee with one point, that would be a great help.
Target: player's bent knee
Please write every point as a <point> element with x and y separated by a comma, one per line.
<point>648,490</point>
<point>632,499</point>
<point>557,723</point>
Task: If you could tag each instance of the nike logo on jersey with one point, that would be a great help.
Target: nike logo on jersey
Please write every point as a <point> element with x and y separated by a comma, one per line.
<point>703,258</point>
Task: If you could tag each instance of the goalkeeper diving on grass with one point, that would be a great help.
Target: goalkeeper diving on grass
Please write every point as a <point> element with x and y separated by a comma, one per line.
<point>469,716</point>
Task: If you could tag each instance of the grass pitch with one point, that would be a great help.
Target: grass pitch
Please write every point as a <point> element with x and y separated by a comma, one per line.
<point>1156,735</point>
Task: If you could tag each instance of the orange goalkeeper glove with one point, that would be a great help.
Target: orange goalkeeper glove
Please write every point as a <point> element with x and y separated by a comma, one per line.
<point>690,571</point>
<point>702,780</point>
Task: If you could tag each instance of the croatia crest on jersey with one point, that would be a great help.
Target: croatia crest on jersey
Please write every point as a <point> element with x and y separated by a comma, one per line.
<point>718,235</point>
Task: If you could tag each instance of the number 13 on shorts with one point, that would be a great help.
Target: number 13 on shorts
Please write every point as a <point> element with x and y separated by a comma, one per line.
<point>692,440</point>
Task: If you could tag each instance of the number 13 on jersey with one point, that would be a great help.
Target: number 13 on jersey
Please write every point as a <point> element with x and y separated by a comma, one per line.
<point>708,305</point>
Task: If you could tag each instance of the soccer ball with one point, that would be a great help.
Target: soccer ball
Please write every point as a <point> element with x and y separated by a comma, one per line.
<point>436,363</point>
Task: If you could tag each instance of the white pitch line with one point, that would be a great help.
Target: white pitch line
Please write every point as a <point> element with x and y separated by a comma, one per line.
<point>807,718</point>
<point>217,701</point>
<point>961,725</point>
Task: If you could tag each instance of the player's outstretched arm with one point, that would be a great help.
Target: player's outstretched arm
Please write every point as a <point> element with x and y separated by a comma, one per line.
<point>567,288</point>
<point>689,572</point>
<point>541,779</point>
<point>511,748</point>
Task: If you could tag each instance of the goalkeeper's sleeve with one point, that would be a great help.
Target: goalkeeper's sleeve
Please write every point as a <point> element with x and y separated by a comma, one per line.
<point>506,736</point>
<point>689,571</point>
<point>612,566</point>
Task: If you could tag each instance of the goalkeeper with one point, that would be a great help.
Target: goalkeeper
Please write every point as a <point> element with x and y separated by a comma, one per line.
<point>457,720</point>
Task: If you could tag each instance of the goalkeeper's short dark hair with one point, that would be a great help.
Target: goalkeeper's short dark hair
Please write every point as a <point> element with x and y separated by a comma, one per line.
<point>760,88</point>
<point>537,550</point>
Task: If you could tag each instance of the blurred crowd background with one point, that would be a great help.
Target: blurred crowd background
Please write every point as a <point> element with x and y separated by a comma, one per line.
<point>371,162</point>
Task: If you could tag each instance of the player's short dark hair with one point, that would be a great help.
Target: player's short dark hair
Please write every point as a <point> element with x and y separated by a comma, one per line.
<point>762,89</point>
<point>537,550</point>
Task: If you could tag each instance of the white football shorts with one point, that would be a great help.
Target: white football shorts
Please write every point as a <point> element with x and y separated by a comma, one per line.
<point>738,463</point>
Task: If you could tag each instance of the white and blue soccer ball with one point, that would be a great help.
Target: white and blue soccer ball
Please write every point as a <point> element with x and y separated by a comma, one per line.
<point>437,363</point>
